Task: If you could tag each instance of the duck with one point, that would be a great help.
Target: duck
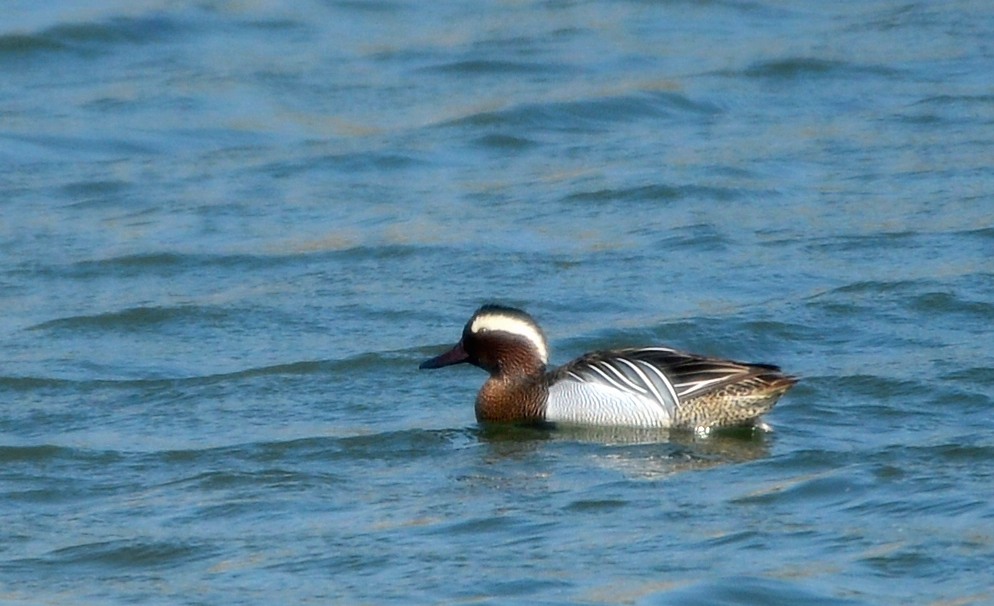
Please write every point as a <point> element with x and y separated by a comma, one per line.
<point>655,387</point>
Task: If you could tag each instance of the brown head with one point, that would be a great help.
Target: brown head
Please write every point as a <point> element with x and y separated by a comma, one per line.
<point>503,341</point>
<point>507,343</point>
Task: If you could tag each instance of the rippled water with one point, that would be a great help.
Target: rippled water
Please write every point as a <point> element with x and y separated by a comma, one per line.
<point>229,231</point>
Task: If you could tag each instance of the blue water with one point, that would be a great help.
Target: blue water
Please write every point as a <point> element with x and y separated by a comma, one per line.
<point>230,231</point>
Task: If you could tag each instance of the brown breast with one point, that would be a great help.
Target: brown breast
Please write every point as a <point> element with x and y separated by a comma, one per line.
<point>503,400</point>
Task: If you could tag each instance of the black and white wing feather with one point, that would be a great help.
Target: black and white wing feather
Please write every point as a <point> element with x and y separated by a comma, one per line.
<point>695,375</point>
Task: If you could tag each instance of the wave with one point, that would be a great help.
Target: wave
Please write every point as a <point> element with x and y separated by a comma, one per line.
<point>345,163</point>
<point>374,360</point>
<point>586,114</point>
<point>129,553</point>
<point>749,590</point>
<point>90,37</point>
<point>792,68</point>
<point>135,318</point>
<point>171,263</point>
<point>45,453</point>
<point>654,192</point>
<point>926,298</point>
<point>475,67</point>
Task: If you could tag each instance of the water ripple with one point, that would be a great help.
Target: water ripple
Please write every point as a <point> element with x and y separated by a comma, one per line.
<point>586,115</point>
<point>745,590</point>
<point>135,319</point>
<point>92,37</point>
<point>793,68</point>
<point>317,368</point>
<point>226,228</point>
<point>129,554</point>
<point>476,67</point>
<point>651,193</point>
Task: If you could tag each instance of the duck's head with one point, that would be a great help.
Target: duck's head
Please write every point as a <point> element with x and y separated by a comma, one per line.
<point>500,340</point>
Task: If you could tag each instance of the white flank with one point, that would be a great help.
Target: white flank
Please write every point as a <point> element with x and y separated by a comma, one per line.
<point>591,403</point>
<point>516,326</point>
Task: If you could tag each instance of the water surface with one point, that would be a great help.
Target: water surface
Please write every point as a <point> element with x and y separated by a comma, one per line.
<point>230,231</point>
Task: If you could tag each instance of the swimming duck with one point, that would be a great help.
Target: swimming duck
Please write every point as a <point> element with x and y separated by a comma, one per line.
<point>640,387</point>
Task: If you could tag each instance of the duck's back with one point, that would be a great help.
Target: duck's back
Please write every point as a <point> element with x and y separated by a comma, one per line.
<point>662,387</point>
